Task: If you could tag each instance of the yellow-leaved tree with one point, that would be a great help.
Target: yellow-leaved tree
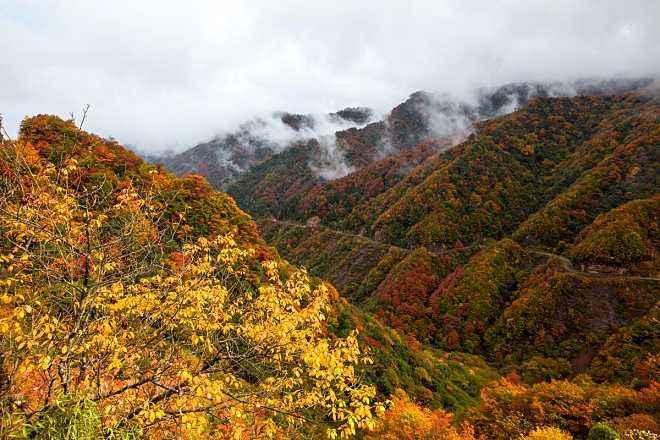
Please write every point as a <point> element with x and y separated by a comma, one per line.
<point>113,325</point>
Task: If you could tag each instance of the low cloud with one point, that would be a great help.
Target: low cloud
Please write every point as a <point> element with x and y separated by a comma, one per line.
<point>276,132</point>
<point>331,163</point>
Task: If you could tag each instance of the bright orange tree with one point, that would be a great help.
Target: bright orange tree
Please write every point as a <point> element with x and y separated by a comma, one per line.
<point>407,420</point>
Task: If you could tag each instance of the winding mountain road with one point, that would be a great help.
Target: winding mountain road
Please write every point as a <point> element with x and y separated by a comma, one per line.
<point>566,264</point>
<point>364,237</point>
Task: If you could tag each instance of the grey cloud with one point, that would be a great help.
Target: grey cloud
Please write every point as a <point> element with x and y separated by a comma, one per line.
<point>165,75</point>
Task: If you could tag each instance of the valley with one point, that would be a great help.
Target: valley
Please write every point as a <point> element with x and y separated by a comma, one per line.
<point>500,237</point>
<point>299,220</point>
<point>499,277</point>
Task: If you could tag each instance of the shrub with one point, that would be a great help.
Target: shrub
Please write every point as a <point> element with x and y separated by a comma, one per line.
<point>548,433</point>
<point>601,431</point>
<point>636,422</point>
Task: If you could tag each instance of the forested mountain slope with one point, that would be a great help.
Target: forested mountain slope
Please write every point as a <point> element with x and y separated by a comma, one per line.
<point>514,165</point>
<point>489,289</point>
<point>134,304</point>
<point>355,137</point>
<point>422,117</point>
<point>533,244</point>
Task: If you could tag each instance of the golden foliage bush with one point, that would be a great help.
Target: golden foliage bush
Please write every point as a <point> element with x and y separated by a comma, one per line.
<point>548,433</point>
<point>407,420</point>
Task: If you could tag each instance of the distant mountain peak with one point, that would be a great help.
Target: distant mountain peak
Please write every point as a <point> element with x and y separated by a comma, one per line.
<point>358,115</point>
<point>350,138</point>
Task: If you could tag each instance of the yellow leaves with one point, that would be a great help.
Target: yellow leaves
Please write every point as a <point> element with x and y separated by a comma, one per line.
<point>269,428</point>
<point>19,313</point>
<point>152,414</point>
<point>106,329</point>
<point>185,375</point>
<point>44,362</point>
<point>71,165</point>
<point>238,433</point>
<point>129,200</point>
<point>196,328</point>
<point>548,433</point>
<point>271,270</point>
<point>194,425</point>
<point>115,364</point>
<point>115,291</point>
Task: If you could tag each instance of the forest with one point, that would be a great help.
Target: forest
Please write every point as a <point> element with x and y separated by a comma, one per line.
<point>502,287</point>
<point>531,246</point>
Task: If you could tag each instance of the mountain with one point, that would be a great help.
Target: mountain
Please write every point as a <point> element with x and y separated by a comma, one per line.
<point>539,176</point>
<point>438,119</point>
<point>152,264</point>
<point>484,268</point>
<point>246,161</point>
<point>255,141</point>
<point>532,243</point>
<point>229,155</point>
<point>135,304</point>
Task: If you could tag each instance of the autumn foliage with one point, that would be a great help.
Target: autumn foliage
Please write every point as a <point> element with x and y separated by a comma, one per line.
<point>127,308</point>
<point>532,245</point>
<point>504,288</point>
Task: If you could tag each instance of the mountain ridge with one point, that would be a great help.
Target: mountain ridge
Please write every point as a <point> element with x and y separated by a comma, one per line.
<point>500,279</point>
<point>227,156</point>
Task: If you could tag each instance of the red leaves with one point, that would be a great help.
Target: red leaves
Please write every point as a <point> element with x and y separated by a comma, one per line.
<point>177,260</point>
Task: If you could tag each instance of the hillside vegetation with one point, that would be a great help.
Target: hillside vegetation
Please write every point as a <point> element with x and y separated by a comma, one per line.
<point>505,287</point>
<point>532,245</point>
<point>134,303</point>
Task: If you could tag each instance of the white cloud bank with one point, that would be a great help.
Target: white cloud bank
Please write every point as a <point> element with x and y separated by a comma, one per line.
<point>165,75</point>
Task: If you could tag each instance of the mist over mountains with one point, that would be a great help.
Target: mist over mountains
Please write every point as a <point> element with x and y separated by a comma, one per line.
<point>254,141</point>
<point>191,72</point>
<point>349,139</point>
<point>495,255</point>
<point>373,220</point>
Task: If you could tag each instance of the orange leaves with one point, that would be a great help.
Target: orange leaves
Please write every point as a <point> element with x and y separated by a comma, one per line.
<point>178,260</point>
<point>407,289</point>
<point>509,409</point>
<point>79,267</point>
<point>28,153</point>
<point>407,420</point>
<point>103,154</point>
<point>30,385</point>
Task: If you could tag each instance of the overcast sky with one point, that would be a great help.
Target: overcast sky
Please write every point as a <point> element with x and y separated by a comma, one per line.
<point>167,74</point>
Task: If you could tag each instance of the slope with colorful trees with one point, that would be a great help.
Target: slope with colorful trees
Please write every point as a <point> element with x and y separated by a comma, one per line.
<point>532,245</point>
<point>136,304</point>
<point>504,288</point>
